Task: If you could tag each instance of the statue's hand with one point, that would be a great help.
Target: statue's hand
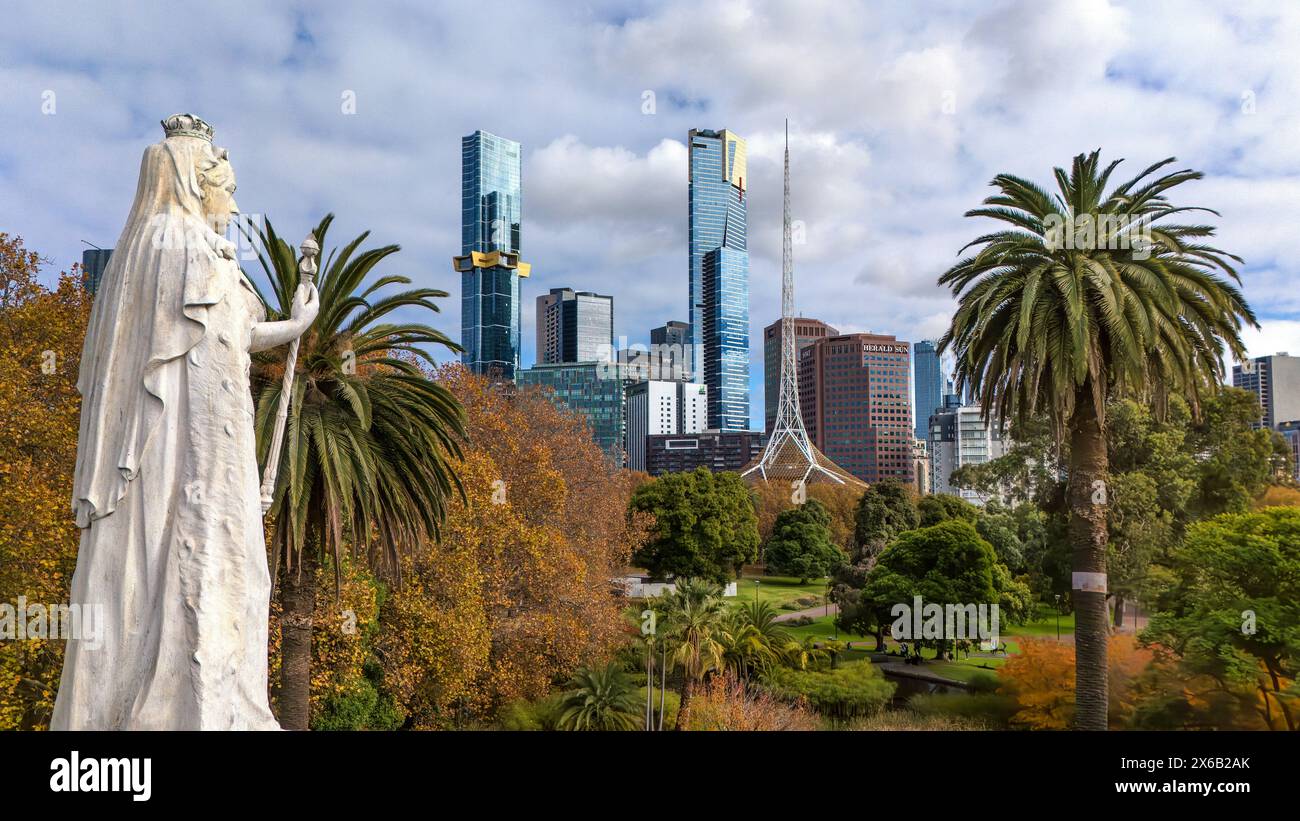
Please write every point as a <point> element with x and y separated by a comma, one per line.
<point>306,304</point>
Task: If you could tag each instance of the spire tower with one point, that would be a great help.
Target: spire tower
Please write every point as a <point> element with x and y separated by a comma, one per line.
<point>789,455</point>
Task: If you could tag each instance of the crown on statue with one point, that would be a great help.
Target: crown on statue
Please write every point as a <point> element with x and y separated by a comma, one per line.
<point>187,125</point>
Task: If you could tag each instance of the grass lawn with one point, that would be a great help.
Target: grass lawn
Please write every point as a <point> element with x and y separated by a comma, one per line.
<point>823,627</point>
<point>778,590</point>
<point>1043,625</point>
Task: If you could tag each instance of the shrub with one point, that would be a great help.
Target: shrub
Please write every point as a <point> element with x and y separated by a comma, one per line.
<point>725,704</point>
<point>849,692</point>
<point>910,720</point>
<point>1040,681</point>
<point>672,703</point>
<point>543,714</point>
<point>989,710</point>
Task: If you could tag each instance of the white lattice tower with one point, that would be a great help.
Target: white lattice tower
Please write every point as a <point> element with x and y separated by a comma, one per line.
<point>789,455</point>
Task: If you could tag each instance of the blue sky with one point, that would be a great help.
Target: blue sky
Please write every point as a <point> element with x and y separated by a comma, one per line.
<point>900,114</point>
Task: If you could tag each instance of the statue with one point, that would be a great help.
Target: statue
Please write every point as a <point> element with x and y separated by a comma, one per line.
<point>166,489</point>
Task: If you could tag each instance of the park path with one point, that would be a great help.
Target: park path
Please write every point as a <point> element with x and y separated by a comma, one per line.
<point>812,612</point>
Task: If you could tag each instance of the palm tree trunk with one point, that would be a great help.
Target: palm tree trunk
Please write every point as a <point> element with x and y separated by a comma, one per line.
<point>298,602</point>
<point>685,699</point>
<point>663,685</point>
<point>1088,536</point>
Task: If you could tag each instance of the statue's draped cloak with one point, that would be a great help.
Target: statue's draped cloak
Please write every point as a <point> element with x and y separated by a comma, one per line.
<point>172,566</point>
<point>143,323</point>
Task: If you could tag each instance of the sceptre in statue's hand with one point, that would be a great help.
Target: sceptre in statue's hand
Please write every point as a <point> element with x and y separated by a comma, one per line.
<point>307,273</point>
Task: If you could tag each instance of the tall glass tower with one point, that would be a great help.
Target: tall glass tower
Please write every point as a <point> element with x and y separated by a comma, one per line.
<point>719,275</point>
<point>491,208</point>
<point>927,382</point>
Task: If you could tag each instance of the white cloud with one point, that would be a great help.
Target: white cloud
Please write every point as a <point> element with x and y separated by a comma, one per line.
<point>900,115</point>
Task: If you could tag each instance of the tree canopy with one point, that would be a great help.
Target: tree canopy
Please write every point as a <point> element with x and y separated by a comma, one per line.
<point>704,526</point>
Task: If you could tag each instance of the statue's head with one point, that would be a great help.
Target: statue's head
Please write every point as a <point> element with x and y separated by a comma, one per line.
<point>213,175</point>
<point>217,182</point>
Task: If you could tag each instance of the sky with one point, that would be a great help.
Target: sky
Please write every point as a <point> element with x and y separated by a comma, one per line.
<point>900,115</point>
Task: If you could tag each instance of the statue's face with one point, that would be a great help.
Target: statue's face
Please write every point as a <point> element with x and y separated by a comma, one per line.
<point>219,200</point>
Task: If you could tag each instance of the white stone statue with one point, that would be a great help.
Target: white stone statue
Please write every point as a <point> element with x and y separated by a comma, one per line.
<point>172,556</point>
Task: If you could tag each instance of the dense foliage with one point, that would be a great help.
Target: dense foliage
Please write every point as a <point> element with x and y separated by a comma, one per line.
<point>801,544</point>
<point>705,526</point>
<point>41,335</point>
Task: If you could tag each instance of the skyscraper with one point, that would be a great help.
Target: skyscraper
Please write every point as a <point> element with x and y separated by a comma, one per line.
<point>719,275</point>
<point>671,332</point>
<point>927,384</point>
<point>93,263</point>
<point>574,326</point>
<point>855,403</point>
<point>1276,381</point>
<point>491,217</point>
<point>960,435</point>
<point>806,332</point>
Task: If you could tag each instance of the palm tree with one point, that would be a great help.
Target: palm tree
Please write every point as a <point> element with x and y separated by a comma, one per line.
<point>754,640</point>
<point>696,617</point>
<point>1090,296</point>
<point>367,448</point>
<point>600,698</point>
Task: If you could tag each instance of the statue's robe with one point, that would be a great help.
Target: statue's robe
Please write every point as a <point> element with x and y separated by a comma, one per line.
<point>172,567</point>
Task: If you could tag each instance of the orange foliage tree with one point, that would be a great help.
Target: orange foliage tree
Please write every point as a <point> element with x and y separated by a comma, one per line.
<point>1277,496</point>
<point>517,593</point>
<point>1034,680</point>
<point>41,334</point>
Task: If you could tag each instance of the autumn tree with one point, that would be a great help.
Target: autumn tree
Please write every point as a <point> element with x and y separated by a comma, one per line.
<point>840,501</point>
<point>41,334</point>
<point>517,593</point>
<point>1033,680</point>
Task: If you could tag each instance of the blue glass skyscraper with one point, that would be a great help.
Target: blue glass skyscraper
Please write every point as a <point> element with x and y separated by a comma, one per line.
<point>491,216</point>
<point>719,275</point>
<point>927,384</point>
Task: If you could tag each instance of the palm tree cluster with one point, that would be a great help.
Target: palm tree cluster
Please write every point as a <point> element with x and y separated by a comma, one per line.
<point>697,635</point>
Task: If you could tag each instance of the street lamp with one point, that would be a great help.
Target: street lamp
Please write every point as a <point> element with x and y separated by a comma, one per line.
<point>755,592</point>
<point>1058,616</point>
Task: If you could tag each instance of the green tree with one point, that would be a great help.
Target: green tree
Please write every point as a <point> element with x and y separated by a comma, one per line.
<point>368,441</point>
<point>1237,463</point>
<point>940,507</point>
<point>1000,528</point>
<point>801,543</point>
<point>1091,294</point>
<point>947,563</point>
<point>1232,613</point>
<point>600,698</point>
<point>884,510</point>
<point>705,526</point>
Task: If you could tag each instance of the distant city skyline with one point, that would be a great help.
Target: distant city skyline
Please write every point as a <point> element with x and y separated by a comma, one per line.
<point>601,97</point>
